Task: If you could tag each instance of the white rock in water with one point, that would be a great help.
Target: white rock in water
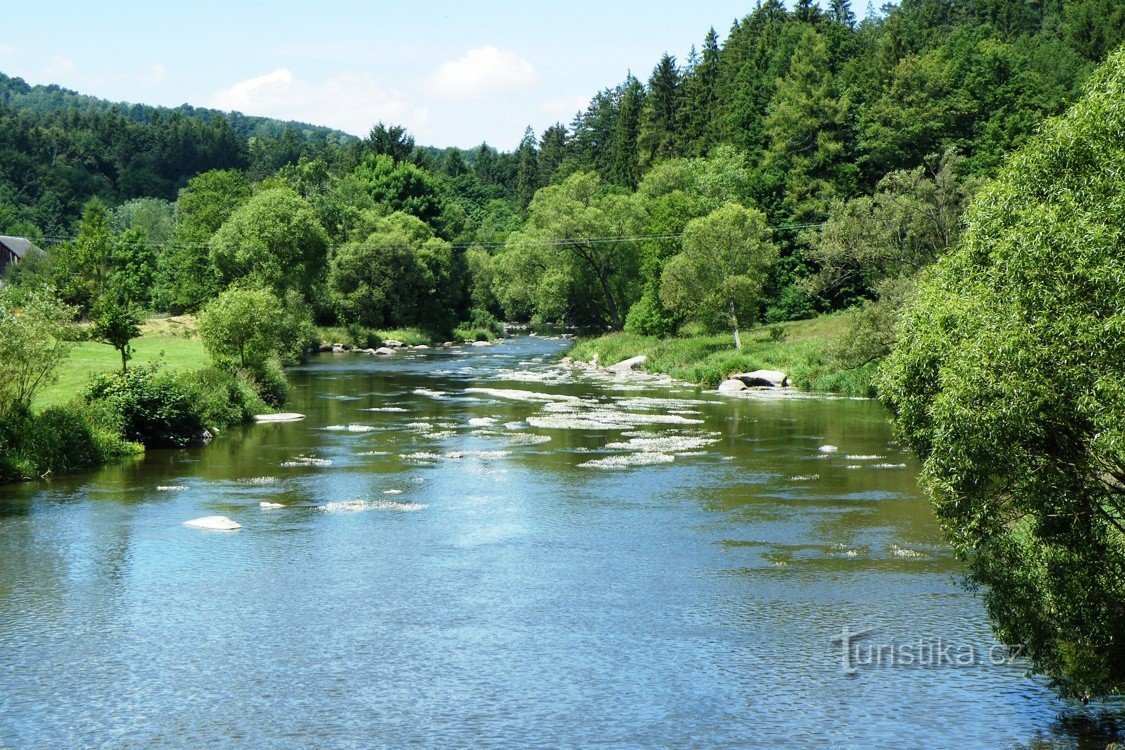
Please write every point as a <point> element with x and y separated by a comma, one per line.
<point>763,378</point>
<point>283,417</point>
<point>421,346</point>
<point>392,492</point>
<point>828,449</point>
<point>214,523</point>
<point>264,504</point>
<point>731,386</point>
<point>627,365</point>
<point>482,343</point>
<point>384,351</point>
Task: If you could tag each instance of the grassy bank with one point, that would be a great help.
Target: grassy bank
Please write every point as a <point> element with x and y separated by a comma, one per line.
<point>800,350</point>
<point>169,340</point>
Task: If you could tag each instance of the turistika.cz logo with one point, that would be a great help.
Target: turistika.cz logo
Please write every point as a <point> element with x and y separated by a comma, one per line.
<point>859,652</point>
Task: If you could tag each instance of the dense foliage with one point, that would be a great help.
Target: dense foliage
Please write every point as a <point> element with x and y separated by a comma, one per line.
<point>1009,382</point>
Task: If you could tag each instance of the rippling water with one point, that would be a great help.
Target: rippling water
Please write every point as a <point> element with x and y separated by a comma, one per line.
<point>475,548</point>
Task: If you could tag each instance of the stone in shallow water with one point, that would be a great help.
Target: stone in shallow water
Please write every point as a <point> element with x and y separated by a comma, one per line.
<point>828,449</point>
<point>267,505</point>
<point>283,417</point>
<point>214,523</point>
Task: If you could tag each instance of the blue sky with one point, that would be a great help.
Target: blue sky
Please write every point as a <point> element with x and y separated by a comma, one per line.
<point>454,74</point>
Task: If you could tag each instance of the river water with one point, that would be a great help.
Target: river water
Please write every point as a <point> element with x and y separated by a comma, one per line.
<point>478,549</point>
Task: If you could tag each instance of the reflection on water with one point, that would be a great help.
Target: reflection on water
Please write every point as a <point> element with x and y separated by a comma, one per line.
<point>476,548</point>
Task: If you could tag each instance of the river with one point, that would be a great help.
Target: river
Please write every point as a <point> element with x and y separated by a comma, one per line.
<point>478,549</point>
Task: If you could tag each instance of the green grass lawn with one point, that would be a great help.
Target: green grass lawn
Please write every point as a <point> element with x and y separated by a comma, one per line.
<point>88,358</point>
<point>707,360</point>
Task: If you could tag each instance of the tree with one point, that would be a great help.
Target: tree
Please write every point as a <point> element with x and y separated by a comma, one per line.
<point>243,327</point>
<point>186,278</point>
<point>573,258</point>
<point>117,323</point>
<point>913,218</point>
<point>36,334</point>
<point>1008,382</point>
<point>527,176</point>
<point>658,136</point>
<point>804,127</point>
<point>275,239</point>
<point>722,267</point>
<point>400,275</point>
<point>392,141</point>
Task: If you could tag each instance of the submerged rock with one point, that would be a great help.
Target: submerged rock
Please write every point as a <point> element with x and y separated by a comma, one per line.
<point>731,386</point>
<point>763,378</point>
<point>213,523</point>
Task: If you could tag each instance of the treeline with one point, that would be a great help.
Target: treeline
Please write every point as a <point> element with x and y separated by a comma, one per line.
<point>852,148</point>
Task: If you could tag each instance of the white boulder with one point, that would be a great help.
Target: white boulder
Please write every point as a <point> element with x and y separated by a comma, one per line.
<point>763,378</point>
<point>731,386</point>
<point>828,449</point>
<point>627,365</point>
<point>384,351</point>
<point>265,504</point>
<point>213,523</point>
<point>392,343</point>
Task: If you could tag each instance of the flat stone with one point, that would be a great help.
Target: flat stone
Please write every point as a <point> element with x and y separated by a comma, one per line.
<point>268,505</point>
<point>627,365</point>
<point>384,351</point>
<point>283,417</point>
<point>213,523</point>
<point>482,343</point>
<point>828,449</point>
<point>392,343</point>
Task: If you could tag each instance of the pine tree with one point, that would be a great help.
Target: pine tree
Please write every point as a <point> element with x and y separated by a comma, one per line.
<point>698,114</point>
<point>803,129</point>
<point>626,167</point>
<point>527,171</point>
<point>552,152</point>
<point>840,11</point>
<point>658,138</point>
<point>807,11</point>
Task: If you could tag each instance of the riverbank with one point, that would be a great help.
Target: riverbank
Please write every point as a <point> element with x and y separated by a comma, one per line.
<point>800,348</point>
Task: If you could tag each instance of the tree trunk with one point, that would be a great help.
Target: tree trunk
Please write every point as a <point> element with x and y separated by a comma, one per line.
<point>611,304</point>
<point>734,325</point>
<point>124,360</point>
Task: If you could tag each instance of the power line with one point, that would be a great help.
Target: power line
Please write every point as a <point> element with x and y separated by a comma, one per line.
<point>561,242</point>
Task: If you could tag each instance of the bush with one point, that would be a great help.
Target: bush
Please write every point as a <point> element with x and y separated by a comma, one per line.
<point>223,398</point>
<point>157,410</point>
<point>647,317</point>
<point>58,440</point>
<point>270,383</point>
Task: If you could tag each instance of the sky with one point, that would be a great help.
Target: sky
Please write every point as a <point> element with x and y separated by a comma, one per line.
<point>455,74</point>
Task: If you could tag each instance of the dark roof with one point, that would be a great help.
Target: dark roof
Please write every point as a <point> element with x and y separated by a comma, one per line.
<point>20,246</point>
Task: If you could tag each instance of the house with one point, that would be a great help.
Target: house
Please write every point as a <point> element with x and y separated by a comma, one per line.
<point>15,249</point>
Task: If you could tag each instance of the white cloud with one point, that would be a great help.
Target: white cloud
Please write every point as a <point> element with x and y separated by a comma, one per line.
<point>349,101</point>
<point>481,71</point>
<point>6,50</point>
<point>156,73</point>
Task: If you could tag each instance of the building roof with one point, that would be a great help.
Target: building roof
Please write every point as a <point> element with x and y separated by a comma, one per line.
<point>19,246</point>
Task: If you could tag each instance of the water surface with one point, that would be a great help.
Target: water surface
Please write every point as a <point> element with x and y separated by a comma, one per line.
<point>476,548</point>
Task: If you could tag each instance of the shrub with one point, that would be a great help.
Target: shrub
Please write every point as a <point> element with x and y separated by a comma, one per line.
<point>58,440</point>
<point>157,410</point>
<point>223,398</point>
